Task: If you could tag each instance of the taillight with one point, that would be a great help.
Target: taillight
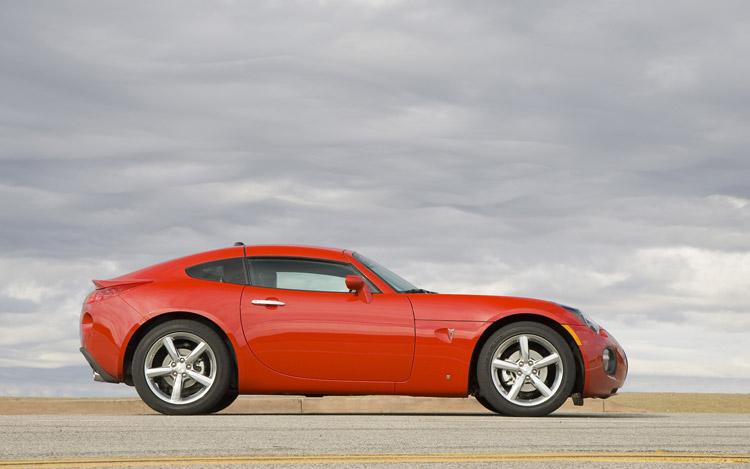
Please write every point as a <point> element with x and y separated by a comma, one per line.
<point>102,292</point>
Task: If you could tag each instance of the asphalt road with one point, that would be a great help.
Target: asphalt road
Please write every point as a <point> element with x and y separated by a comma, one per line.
<point>376,441</point>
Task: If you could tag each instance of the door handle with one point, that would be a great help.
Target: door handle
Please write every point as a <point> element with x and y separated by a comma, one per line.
<point>268,302</point>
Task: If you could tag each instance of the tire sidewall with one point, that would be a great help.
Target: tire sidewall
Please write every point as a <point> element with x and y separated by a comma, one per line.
<point>484,370</point>
<point>220,386</point>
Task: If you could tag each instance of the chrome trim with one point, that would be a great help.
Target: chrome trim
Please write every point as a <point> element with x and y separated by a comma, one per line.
<point>268,303</point>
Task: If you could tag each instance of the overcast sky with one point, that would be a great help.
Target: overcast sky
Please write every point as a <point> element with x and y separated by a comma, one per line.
<point>595,154</point>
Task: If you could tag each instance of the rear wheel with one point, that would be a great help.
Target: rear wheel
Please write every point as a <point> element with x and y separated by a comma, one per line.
<point>229,397</point>
<point>526,370</point>
<point>183,367</point>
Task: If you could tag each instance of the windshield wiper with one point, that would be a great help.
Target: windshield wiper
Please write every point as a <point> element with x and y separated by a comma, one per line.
<point>419,290</point>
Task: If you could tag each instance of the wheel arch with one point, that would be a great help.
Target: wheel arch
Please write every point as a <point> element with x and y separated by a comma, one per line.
<point>167,317</point>
<point>580,379</point>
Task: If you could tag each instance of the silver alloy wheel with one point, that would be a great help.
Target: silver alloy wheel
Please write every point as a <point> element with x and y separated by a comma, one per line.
<point>526,370</point>
<point>180,368</point>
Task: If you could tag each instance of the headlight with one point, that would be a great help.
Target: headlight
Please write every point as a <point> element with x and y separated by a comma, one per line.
<point>609,361</point>
<point>584,319</point>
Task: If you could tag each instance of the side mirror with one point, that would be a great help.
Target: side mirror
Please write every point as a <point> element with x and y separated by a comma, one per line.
<point>358,285</point>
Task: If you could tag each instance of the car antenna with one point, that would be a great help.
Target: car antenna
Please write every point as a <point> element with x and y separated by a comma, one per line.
<point>239,243</point>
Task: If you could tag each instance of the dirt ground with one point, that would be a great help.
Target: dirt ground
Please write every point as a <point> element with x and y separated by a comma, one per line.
<point>624,402</point>
<point>685,402</point>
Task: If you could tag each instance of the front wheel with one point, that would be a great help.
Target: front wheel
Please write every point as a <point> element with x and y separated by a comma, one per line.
<point>485,403</point>
<point>526,370</point>
<point>182,367</point>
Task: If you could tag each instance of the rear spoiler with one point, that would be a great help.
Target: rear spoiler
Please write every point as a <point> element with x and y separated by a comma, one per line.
<point>101,284</point>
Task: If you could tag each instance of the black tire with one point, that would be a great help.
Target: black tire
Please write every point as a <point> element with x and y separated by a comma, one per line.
<point>182,379</point>
<point>485,403</point>
<point>530,386</point>
<point>229,397</point>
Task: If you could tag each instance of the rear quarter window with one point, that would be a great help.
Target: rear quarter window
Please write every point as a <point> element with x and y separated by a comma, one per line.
<point>224,270</point>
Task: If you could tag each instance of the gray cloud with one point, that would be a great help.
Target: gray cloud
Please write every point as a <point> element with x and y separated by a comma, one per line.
<point>594,154</point>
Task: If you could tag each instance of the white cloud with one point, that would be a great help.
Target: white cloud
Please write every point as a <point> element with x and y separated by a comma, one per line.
<point>677,74</point>
<point>592,154</point>
<point>26,291</point>
<point>702,347</point>
<point>737,203</point>
<point>699,276</point>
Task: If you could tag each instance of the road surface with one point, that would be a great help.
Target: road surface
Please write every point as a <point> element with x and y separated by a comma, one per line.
<point>376,441</point>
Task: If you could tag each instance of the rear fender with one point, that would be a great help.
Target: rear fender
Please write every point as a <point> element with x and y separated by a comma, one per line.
<point>161,319</point>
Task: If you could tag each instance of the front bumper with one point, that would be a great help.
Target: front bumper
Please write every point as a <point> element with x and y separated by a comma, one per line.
<point>598,383</point>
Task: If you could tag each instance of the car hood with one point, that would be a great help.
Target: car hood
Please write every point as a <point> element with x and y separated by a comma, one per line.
<point>483,308</point>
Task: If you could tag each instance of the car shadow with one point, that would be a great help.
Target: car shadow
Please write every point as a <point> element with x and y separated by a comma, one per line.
<point>561,415</point>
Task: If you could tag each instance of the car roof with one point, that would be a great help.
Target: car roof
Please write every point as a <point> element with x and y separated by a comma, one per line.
<point>292,250</point>
<point>177,266</point>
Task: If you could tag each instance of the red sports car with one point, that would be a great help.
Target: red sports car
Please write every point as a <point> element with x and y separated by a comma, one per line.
<point>193,333</point>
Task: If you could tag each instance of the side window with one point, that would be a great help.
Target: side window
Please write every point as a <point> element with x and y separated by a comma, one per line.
<point>300,274</point>
<point>224,270</point>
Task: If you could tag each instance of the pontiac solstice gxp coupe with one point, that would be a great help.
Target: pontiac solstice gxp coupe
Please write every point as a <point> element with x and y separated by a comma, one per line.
<point>193,333</point>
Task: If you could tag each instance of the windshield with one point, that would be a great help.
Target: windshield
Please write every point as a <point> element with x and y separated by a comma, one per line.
<point>393,280</point>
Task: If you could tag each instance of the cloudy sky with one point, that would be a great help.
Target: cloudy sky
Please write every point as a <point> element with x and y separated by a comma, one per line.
<point>591,153</point>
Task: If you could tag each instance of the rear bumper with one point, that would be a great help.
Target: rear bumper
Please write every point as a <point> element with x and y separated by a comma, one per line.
<point>99,374</point>
<point>106,327</point>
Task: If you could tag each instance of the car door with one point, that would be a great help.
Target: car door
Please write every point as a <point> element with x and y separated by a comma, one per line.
<point>300,319</point>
